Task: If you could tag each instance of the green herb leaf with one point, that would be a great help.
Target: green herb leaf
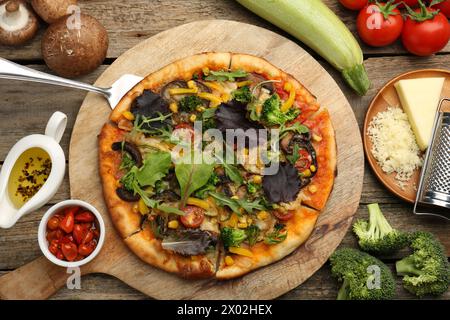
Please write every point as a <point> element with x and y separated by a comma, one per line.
<point>231,171</point>
<point>203,192</point>
<point>225,75</point>
<point>296,128</point>
<point>236,204</point>
<point>127,162</point>
<point>293,158</point>
<point>191,176</point>
<point>156,166</point>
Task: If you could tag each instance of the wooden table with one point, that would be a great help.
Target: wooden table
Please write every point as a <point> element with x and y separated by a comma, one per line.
<point>25,108</point>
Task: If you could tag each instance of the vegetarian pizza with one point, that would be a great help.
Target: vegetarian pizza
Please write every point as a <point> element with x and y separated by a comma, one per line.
<point>225,215</point>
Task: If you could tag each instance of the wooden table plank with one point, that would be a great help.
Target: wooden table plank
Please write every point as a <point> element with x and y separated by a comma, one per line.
<point>128,22</point>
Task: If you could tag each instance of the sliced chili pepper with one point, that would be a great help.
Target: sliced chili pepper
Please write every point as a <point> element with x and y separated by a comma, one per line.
<point>68,222</point>
<point>70,251</point>
<point>85,216</point>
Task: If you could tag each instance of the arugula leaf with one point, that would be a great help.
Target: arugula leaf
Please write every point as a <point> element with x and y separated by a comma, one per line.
<point>203,192</point>
<point>127,162</point>
<point>191,176</point>
<point>156,166</point>
<point>225,75</point>
<point>236,204</point>
<point>231,170</point>
<point>297,127</point>
<point>293,158</point>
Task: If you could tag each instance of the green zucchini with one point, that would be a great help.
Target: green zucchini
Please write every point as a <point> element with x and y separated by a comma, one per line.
<point>313,23</point>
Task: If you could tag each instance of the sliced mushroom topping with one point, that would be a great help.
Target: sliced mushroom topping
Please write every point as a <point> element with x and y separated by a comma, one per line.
<point>131,149</point>
<point>177,84</point>
<point>126,195</point>
<point>260,82</point>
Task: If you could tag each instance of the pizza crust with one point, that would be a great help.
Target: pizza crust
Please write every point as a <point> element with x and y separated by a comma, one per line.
<point>299,228</point>
<point>149,250</point>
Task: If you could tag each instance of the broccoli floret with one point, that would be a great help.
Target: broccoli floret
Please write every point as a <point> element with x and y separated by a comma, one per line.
<point>232,237</point>
<point>189,103</point>
<point>243,95</point>
<point>376,235</point>
<point>272,115</point>
<point>363,277</point>
<point>253,187</point>
<point>252,233</point>
<point>426,271</point>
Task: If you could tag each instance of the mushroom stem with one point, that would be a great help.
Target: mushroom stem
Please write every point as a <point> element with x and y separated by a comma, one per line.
<point>12,7</point>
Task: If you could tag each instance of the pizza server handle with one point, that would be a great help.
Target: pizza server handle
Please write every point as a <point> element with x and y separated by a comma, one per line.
<point>36,280</point>
<point>14,71</point>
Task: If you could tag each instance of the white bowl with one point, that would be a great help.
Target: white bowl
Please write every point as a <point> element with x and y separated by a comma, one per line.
<point>43,243</point>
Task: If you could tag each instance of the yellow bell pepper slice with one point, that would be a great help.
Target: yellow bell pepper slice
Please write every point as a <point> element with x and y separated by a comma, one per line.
<point>198,203</point>
<point>176,91</point>
<point>290,101</point>
<point>241,251</point>
<point>208,96</point>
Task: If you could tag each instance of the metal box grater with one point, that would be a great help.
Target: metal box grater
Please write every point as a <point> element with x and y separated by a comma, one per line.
<point>433,195</point>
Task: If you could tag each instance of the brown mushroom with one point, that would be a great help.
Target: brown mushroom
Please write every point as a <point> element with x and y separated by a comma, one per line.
<point>72,52</point>
<point>18,23</point>
<point>52,10</point>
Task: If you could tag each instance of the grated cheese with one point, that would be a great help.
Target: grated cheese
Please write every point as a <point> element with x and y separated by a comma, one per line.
<point>394,145</point>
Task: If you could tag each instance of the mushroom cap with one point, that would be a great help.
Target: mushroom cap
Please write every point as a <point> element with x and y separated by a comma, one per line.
<point>18,26</point>
<point>75,52</point>
<point>52,10</point>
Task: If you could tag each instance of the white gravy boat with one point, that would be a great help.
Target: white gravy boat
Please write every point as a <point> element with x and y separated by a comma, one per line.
<point>49,142</point>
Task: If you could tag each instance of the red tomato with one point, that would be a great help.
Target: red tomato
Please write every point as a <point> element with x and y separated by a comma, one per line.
<point>283,216</point>
<point>68,222</point>
<point>379,25</point>
<point>444,7</point>
<point>89,236</point>
<point>86,249</point>
<point>79,233</point>
<point>304,161</point>
<point>426,37</point>
<point>70,251</point>
<point>59,255</point>
<point>85,216</point>
<point>354,4</point>
<point>54,247</point>
<point>53,223</point>
<point>193,217</point>
<point>67,239</point>
<point>409,3</point>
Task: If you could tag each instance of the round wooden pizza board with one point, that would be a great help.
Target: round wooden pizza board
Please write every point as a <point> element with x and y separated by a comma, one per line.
<point>269,282</point>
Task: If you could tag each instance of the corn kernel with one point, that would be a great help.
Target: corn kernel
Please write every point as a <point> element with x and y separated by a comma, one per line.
<point>128,115</point>
<point>243,219</point>
<point>191,84</point>
<point>205,71</point>
<point>306,173</point>
<point>235,197</point>
<point>192,118</point>
<point>229,261</point>
<point>242,225</point>
<point>263,215</point>
<point>173,107</point>
<point>257,179</point>
<point>249,221</point>
<point>173,224</point>
<point>316,137</point>
<point>313,168</point>
<point>200,108</point>
<point>143,209</point>
<point>312,189</point>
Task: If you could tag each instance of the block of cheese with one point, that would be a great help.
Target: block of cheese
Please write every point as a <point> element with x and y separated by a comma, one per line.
<point>420,99</point>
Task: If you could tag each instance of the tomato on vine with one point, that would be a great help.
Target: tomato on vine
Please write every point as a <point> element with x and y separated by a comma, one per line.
<point>379,24</point>
<point>426,30</point>
<point>354,4</point>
